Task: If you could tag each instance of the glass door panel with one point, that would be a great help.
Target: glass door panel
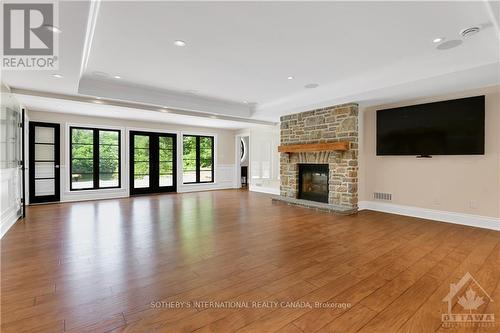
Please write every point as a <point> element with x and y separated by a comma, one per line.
<point>44,162</point>
<point>166,161</point>
<point>141,161</point>
<point>152,162</point>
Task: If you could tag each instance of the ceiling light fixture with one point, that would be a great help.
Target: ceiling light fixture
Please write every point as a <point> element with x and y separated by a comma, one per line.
<point>117,77</point>
<point>57,76</point>
<point>180,43</point>
<point>164,110</point>
<point>52,28</point>
<point>437,40</point>
<point>290,77</point>
<point>98,101</point>
<point>246,102</point>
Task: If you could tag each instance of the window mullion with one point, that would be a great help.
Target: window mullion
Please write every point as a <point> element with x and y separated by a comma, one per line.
<point>96,158</point>
<point>198,164</point>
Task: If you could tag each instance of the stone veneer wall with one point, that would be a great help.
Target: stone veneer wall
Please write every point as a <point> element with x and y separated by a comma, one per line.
<point>336,123</point>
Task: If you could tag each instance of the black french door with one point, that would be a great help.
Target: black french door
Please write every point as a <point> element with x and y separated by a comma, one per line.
<point>44,175</point>
<point>153,162</point>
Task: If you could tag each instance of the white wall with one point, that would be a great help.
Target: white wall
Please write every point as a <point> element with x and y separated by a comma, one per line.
<point>466,187</point>
<point>264,173</point>
<point>10,172</point>
<point>224,160</point>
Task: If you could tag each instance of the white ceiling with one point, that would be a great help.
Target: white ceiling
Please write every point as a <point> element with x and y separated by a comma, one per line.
<point>365,52</point>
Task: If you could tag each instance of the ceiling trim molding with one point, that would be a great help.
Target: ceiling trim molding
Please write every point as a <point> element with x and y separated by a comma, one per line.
<point>89,35</point>
<point>139,106</point>
<point>135,93</point>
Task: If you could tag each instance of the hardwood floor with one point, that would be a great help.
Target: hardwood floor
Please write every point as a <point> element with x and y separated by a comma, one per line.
<point>138,264</point>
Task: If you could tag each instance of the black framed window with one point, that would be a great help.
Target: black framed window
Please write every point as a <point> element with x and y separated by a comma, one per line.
<point>197,159</point>
<point>95,160</point>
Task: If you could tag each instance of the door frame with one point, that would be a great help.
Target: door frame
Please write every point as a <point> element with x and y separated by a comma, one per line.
<point>57,162</point>
<point>153,162</point>
<point>237,157</point>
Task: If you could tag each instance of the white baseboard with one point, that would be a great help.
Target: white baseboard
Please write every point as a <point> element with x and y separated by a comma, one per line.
<point>262,189</point>
<point>432,214</point>
<point>184,188</point>
<point>7,222</point>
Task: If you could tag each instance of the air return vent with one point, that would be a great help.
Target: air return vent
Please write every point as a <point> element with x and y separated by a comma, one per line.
<point>469,31</point>
<point>382,196</point>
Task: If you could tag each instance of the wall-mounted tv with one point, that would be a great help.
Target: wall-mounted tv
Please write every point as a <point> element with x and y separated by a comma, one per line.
<point>454,127</point>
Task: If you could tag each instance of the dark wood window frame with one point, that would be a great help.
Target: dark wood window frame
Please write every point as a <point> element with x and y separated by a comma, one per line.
<point>198,168</point>
<point>95,158</point>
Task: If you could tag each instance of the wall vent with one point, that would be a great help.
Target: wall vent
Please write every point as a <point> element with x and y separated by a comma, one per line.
<point>382,196</point>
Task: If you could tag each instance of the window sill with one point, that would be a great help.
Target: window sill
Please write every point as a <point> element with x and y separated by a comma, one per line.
<point>92,190</point>
<point>197,184</point>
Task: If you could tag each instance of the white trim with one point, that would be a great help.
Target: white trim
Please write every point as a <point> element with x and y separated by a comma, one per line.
<point>432,214</point>
<point>180,156</point>
<point>205,187</point>
<point>89,34</point>
<point>8,220</point>
<point>237,160</point>
<point>93,194</point>
<point>263,189</point>
<point>225,181</point>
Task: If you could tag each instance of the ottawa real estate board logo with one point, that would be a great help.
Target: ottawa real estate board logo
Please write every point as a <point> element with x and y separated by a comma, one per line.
<point>471,307</point>
<point>30,36</point>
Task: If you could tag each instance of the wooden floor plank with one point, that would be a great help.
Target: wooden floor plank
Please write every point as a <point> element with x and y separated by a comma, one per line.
<point>97,266</point>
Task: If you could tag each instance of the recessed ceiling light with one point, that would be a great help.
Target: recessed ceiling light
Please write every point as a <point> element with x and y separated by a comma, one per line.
<point>52,28</point>
<point>311,85</point>
<point>117,77</point>
<point>164,110</point>
<point>290,77</point>
<point>98,101</point>
<point>98,97</point>
<point>57,76</point>
<point>180,43</point>
<point>246,102</point>
<point>213,116</point>
<point>437,40</point>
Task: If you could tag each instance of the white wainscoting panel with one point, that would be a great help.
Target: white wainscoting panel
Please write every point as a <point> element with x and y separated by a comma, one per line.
<point>224,179</point>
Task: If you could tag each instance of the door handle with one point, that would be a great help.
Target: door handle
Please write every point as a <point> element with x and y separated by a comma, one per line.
<point>57,166</point>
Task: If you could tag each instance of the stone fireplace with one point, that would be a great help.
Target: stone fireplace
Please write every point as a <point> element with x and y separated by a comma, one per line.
<point>326,125</point>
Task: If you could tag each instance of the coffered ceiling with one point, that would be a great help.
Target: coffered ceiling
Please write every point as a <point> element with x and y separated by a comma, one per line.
<point>254,59</point>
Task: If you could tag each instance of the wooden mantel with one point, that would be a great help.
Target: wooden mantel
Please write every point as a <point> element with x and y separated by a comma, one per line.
<point>312,147</point>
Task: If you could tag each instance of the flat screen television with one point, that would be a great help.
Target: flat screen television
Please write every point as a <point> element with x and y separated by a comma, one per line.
<point>454,127</point>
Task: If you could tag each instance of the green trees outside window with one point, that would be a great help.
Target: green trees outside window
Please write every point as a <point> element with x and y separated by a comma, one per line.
<point>198,159</point>
<point>95,158</point>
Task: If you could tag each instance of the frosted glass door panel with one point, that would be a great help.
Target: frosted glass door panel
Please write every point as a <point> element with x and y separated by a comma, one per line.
<point>44,134</point>
<point>44,162</point>
<point>44,152</point>
<point>44,169</point>
<point>44,187</point>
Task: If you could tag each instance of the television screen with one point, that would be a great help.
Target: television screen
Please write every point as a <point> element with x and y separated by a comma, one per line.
<point>454,127</point>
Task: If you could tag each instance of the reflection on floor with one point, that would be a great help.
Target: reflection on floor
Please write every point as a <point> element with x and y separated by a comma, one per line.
<point>140,264</point>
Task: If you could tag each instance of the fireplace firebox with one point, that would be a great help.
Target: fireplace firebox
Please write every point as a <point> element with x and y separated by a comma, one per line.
<point>313,182</point>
